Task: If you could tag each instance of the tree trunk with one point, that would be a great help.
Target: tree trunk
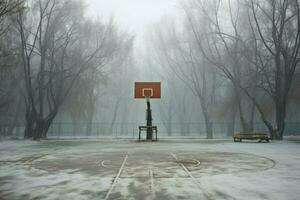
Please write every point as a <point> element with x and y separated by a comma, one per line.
<point>209,129</point>
<point>112,124</point>
<point>90,122</point>
<point>240,110</point>
<point>89,126</point>
<point>208,126</point>
<point>13,125</point>
<point>42,127</point>
<point>280,119</point>
<point>208,123</point>
<point>251,122</point>
<point>36,127</point>
<point>30,124</point>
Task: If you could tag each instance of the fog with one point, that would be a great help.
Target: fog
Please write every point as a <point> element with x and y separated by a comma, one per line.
<point>68,68</point>
<point>132,15</point>
<point>149,99</point>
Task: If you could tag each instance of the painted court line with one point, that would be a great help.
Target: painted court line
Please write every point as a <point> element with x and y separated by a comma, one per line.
<point>151,182</point>
<point>102,164</point>
<point>116,178</point>
<point>206,194</point>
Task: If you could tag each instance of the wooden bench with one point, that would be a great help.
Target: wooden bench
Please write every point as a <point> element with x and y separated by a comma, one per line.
<point>251,136</point>
<point>145,128</point>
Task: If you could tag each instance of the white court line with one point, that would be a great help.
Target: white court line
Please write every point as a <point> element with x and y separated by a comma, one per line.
<point>206,194</point>
<point>102,164</point>
<point>197,161</point>
<point>151,181</point>
<point>117,177</point>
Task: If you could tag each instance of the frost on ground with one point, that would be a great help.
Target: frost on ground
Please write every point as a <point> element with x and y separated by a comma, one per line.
<point>197,169</point>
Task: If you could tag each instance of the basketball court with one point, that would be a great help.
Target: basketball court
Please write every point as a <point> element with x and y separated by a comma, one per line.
<point>164,169</point>
<point>161,170</point>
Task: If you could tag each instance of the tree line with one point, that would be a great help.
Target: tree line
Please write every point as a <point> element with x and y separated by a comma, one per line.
<point>247,51</point>
<point>49,49</point>
<point>232,61</point>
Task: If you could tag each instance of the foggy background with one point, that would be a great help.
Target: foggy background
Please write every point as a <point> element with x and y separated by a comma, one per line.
<point>71,73</point>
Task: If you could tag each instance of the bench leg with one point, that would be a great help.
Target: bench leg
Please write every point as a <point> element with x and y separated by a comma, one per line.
<point>155,138</point>
<point>139,135</point>
<point>152,136</point>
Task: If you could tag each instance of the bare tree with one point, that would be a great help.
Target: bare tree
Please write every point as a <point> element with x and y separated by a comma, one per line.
<point>119,78</point>
<point>8,56</point>
<point>222,49</point>
<point>53,58</point>
<point>275,50</point>
<point>7,9</point>
<point>189,66</point>
<point>276,25</point>
<point>10,72</point>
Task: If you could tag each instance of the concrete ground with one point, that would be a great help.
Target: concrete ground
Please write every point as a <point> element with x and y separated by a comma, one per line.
<point>168,169</point>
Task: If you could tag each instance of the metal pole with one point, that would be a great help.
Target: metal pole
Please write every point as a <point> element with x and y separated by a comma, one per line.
<point>149,120</point>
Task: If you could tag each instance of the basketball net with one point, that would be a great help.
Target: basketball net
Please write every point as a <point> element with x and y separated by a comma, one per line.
<point>147,92</point>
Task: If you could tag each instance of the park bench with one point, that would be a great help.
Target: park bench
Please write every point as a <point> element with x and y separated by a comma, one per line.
<point>251,136</point>
<point>145,128</point>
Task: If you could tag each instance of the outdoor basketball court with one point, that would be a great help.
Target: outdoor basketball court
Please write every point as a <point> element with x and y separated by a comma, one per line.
<point>164,169</point>
<point>198,169</point>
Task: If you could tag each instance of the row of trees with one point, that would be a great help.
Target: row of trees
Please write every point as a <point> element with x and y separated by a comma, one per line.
<point>231,61</point>
<point>53,58</point>
<point>247,51</point>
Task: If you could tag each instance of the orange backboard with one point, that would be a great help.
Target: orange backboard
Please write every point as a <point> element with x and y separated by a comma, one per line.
<point>147,89</point>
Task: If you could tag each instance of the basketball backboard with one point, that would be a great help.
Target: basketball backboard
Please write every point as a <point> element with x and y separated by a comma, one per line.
<point>144,90</point>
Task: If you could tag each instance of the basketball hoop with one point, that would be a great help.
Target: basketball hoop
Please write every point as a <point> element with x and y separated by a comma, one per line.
<point>144,90</point>
<point>148,90</point>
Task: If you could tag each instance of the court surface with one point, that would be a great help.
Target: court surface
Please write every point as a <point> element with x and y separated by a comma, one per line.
<point>168,169</point>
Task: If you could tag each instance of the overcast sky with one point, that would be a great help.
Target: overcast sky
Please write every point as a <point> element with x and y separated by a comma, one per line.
<point>132,15</point>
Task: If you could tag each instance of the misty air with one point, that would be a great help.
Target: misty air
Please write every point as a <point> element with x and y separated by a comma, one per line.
<point>149,99</point>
